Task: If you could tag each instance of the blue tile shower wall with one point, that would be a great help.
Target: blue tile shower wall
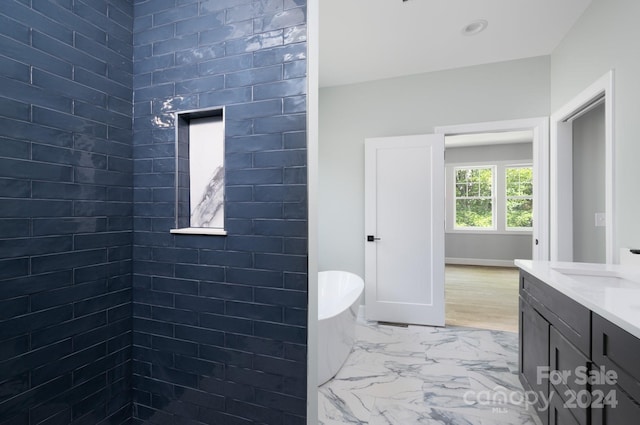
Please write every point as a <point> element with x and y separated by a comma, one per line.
<point>65,211</point>
<point>220,322</point>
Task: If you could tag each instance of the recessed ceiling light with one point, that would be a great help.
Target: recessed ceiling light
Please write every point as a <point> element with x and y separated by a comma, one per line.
<point>475,27</point>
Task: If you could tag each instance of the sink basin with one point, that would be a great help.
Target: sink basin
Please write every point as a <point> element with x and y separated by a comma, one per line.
<point>608,278</point>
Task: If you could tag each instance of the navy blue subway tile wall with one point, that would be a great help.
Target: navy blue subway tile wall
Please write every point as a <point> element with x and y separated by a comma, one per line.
<point>66,221</point>
<point>220,321</point>
<point>106,317</point>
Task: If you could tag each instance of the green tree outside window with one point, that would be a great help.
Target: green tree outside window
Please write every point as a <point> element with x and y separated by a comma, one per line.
<point>519,188</point>
<point>474,197</point>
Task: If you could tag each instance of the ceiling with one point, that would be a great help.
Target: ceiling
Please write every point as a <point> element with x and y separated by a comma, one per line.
<point>366,40</point>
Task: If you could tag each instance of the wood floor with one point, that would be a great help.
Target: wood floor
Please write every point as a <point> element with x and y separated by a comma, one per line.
<point>482,297</point>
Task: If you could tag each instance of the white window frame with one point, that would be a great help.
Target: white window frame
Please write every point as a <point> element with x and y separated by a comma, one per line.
<point>499,197</point>
<point>492,198</point>
<point>507,197</point>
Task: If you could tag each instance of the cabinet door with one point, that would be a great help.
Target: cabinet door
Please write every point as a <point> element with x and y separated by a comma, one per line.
<point>560,415</point>
<point>612,406</point>
<point>569,368</point>
<point>534,354</point>
<point>616,351</point>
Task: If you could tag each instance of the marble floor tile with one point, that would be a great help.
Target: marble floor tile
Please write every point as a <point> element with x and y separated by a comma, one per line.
<point>388,413</point>
<point>426,375</point>
<point>338,407</point>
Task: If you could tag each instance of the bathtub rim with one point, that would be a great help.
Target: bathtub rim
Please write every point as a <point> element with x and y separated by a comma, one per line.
<point>354,295</point>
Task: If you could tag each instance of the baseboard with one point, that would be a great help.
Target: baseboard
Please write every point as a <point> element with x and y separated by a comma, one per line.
<point>479,262</point>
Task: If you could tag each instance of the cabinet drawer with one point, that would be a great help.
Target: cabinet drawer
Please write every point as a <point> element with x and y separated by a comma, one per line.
<point>569,370</point>
<point>572,319</point>
<point>624,410</point>
<point>617,350</point>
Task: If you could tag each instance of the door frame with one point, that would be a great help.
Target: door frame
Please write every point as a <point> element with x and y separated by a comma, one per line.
<point>540,128</point>
<point>561,169</point>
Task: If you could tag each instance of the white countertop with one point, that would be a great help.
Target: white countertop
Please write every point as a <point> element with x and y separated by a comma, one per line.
<point>610,290</point>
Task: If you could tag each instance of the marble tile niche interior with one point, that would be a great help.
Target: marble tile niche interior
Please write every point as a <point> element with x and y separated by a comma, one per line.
<point>425,375</point>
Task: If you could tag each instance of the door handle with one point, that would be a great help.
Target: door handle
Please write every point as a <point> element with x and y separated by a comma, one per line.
<point>371,238</point>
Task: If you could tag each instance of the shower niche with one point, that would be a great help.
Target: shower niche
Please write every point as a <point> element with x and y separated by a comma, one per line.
<point>200,172</point>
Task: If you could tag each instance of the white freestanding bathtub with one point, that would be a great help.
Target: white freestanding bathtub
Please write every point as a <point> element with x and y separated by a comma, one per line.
<point>339,295</point>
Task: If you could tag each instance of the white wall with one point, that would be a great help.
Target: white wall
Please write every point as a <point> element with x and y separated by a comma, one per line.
<point>604,38</point>
<point>517,152</point>
<point>401,106</point>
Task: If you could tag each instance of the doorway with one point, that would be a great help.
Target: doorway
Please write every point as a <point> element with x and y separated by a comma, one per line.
<point>597,96</point>
<point>489,204</point>
<point>481,286</point>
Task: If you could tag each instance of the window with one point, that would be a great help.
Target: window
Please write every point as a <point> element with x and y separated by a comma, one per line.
<point>474,198</point>
<point>519,198</point>
<point>495,197</point>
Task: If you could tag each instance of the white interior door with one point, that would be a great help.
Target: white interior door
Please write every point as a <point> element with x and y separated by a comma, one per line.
<point>404,229</point>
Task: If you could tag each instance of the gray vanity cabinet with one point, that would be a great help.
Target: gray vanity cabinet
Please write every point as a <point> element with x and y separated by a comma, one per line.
<point>593,364</point>
<point>555,341</point>
<point>615,350</point>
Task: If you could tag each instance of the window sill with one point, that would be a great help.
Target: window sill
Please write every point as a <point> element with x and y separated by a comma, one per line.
<point>199,231</point>
<point>491,232</point>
